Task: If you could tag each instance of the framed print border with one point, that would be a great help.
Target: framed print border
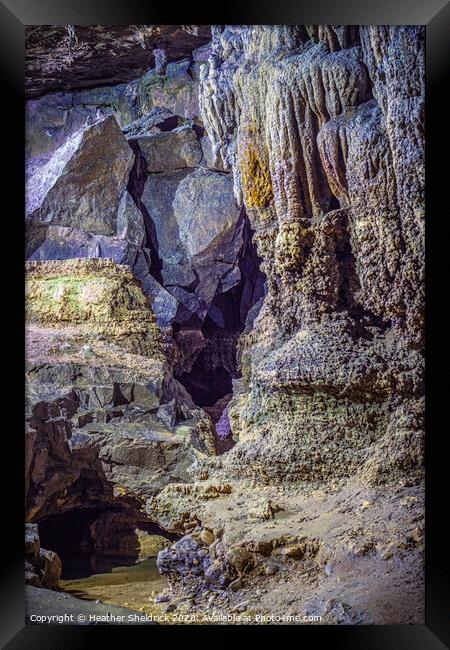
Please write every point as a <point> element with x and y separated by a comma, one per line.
<point>435,14</point>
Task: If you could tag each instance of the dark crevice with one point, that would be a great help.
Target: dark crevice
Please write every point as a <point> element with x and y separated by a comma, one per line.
<point>209,379</point>
<point>96,539</point>
<point>334,203</point>
<point>199,131</point>
<point>138,176</point>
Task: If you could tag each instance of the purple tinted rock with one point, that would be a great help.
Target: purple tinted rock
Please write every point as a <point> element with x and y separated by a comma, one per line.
<point>223,427</point>
<point>82,184</point>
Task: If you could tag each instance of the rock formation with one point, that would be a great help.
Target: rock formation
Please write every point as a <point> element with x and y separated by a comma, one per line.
<point>42,567</point>
<point>335,197</point>
<point>81,56</point>
<point>266,197</point>
<point>107,424</point>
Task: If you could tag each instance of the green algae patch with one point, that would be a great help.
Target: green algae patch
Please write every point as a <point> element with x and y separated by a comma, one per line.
<point>99,295</point>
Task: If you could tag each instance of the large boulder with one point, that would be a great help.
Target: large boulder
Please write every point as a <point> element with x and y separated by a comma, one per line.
<point>171,150</point>
<point>198,233</point>
<point>83,184</point>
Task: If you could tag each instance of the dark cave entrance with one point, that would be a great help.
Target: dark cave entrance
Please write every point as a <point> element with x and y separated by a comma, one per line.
<point>95,540</point>
<point>209,379</point>
<point>207,391</point>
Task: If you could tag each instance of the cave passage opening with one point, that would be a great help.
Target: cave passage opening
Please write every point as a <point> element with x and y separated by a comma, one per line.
<point>97,539</point>
<point>209,379</point>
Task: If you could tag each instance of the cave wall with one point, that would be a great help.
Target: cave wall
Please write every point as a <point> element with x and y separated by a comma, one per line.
<point>322,128</point>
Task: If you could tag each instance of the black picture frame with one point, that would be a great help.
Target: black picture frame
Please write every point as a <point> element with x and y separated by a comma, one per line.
<point>435,14</point>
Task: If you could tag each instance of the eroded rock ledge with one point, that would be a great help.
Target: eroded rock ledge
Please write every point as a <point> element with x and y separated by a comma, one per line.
<point>107,424</point>
<point>82,56</point>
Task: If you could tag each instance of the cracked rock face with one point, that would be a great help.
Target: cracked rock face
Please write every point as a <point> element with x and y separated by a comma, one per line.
<point>170,211</point>
<point>199,233</point>
<point>97,380</point>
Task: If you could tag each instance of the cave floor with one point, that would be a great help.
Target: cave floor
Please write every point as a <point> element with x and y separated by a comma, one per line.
<point>365,559</point>
<point>360,565</point>
<point>134,587</point>
<point>350,554</point>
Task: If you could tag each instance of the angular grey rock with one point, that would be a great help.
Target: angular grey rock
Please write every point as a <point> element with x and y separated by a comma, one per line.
<point>130,222</point>
<point>164,304</point>
<point>171,150</point>
<point>32,542</point>
<point>158,196</point>
<point>157,120</point>
<point>206,212</point>
<point>42,567</point>
<point>198,232</point>
<point>167,413</point>
<point>82,184</point>
<point>177,275</point>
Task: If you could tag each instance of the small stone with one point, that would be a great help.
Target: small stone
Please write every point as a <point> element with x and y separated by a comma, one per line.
<point>170,607</point>
<point>241,607</point>
<point>236,584</point>
<point>271,569</point>
<point>387,554</point>
<point>87,351</point>
<point>207,536</point>
<point>240,559</point>
<point>162,598</point>
<point>417,535</point>
<point>213,573</point>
